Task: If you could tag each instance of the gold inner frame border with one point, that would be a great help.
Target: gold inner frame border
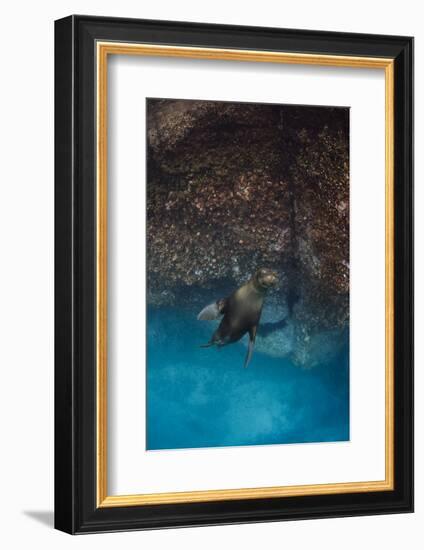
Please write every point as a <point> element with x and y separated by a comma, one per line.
<point>103,50</point>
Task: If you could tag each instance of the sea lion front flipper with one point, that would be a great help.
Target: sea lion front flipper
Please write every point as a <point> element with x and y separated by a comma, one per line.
<point>213,311</point>
<point>252,337</point>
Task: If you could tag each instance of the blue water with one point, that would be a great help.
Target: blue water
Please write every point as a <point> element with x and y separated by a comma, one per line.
<point>205,398</point>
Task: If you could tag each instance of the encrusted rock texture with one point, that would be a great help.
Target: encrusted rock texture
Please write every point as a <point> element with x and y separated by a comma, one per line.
<point>236,186</point>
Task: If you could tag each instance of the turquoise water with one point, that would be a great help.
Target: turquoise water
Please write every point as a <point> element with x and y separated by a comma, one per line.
<point>205,398</point>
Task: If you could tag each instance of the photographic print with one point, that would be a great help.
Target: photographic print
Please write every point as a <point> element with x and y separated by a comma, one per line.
<point>247,274</point>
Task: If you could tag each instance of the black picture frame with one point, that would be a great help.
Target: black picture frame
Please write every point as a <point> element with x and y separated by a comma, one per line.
<point>76,510</point>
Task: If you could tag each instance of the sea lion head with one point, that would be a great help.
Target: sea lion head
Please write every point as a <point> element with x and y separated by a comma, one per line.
<point>265,278</point>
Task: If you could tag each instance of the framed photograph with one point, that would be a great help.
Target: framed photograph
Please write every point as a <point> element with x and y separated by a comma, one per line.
<point>233,274</point>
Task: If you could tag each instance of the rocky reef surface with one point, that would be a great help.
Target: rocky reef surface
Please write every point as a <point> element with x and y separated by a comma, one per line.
<point>237,186</point>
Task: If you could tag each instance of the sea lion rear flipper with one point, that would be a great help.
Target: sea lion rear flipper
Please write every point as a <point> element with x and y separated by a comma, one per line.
<point>212,311</point>
<point>252,337</point>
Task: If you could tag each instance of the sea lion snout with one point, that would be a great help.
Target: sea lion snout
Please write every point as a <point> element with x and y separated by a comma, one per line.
<point>271,279</point>
<point>266,277</point>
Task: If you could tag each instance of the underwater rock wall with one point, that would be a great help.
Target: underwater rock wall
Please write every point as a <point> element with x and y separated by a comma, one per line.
<point>232,187</point>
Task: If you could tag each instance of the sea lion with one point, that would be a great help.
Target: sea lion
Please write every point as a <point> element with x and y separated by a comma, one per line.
<point>241,311</point>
